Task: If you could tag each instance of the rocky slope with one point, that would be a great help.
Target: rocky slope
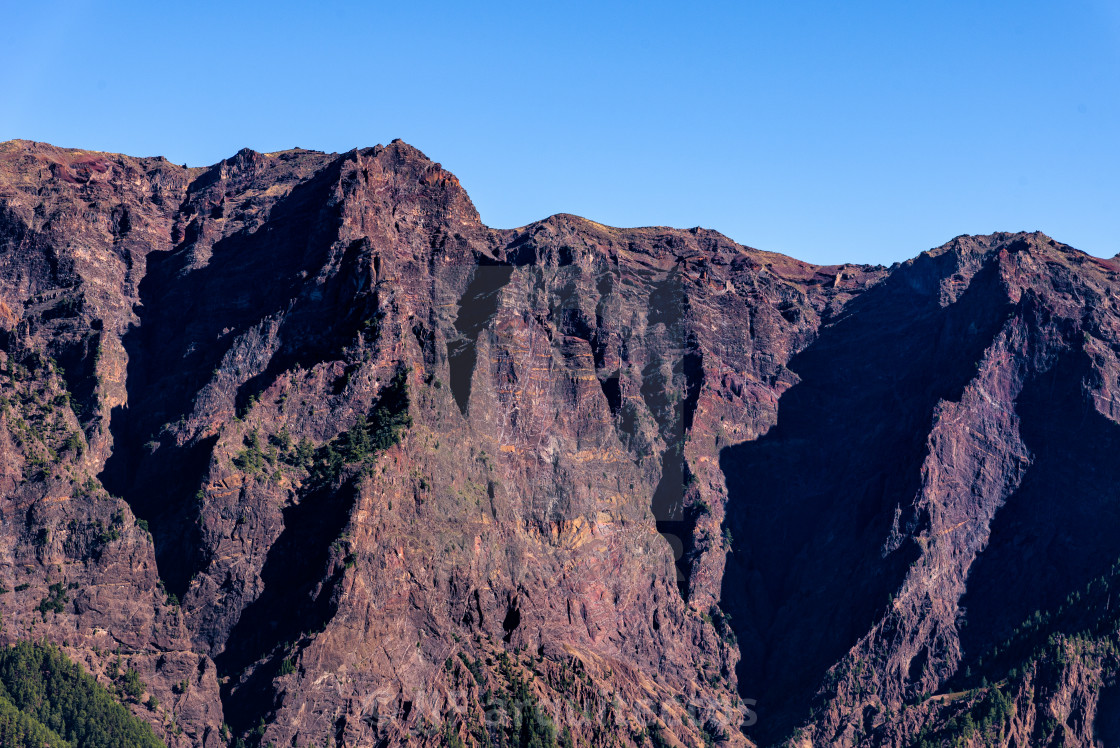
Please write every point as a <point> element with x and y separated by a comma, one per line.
<point>323,459</point>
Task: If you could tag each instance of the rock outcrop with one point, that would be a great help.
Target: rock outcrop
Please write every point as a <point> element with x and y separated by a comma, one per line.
<point>324,459</point>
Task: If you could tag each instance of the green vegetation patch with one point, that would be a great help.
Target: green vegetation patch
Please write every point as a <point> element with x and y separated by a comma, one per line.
<point>20,730</point>
<point>986,720</point>
<point>55,601</point>
<point>370,434</point>
<point>44,697</point>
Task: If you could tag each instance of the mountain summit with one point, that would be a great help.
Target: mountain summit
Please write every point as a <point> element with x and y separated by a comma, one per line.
<point>295,450</point>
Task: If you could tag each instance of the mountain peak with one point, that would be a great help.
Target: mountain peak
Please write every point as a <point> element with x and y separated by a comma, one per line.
<point>294,446</point>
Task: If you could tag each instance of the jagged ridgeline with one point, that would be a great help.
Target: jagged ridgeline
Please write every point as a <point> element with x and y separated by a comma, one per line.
<point>295,450</point>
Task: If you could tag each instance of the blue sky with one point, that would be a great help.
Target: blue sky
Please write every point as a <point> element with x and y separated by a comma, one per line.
<point>859,132</point>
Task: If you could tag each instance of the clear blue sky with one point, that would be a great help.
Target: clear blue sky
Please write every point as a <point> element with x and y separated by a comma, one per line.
<point>831,131</point>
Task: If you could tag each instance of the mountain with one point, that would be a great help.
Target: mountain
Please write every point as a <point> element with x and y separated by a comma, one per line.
<point>321,459</point>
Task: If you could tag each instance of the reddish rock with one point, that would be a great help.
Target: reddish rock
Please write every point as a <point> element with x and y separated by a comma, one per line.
<point>606,440</point>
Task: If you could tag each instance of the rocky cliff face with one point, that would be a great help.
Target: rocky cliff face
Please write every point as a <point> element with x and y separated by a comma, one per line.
<point>323,459</point>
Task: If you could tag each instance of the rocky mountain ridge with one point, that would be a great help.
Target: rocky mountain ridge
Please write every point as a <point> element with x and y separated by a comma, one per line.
<point>323,459</point>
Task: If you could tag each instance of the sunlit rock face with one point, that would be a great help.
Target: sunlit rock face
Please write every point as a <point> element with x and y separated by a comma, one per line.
<point>324,459</point>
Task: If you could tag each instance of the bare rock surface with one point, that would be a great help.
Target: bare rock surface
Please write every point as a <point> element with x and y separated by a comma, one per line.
<point>326,460</point>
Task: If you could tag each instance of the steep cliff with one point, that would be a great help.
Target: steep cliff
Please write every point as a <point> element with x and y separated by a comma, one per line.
<point>322,458</point>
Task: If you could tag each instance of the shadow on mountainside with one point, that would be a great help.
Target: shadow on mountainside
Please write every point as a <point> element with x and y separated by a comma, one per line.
<point>811,503</point>
<point>298,600</point>
<point>1061,528</point>
<point>188,320</point>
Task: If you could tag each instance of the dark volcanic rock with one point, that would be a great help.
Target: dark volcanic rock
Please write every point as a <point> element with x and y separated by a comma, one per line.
<point>324,458</point>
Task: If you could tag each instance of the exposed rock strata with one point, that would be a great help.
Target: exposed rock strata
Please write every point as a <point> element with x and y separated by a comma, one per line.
<point>400,468</point>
